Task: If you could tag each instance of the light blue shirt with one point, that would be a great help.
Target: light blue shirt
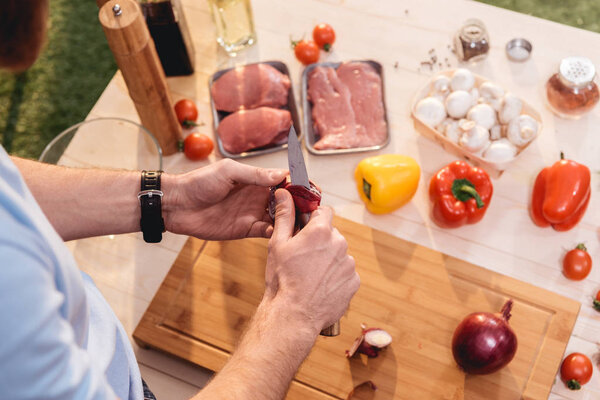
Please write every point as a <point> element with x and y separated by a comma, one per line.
<point>59,339</point>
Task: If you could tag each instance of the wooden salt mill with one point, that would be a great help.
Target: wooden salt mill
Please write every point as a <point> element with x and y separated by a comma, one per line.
<point>129,39</point>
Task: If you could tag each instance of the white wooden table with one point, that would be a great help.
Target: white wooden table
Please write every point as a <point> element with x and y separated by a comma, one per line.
<point>399,34</point>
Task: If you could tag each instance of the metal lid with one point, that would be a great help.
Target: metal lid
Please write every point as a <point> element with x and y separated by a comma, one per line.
<point>576,71</point>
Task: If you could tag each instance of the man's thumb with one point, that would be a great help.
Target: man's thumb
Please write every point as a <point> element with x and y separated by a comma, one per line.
<point>285,215</point>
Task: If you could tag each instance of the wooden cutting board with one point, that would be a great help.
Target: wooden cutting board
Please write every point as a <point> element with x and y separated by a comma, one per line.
<point>417,294</point>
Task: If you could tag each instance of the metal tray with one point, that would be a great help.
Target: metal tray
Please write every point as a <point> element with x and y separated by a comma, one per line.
<point>219,115</point>
<point>310,137</point>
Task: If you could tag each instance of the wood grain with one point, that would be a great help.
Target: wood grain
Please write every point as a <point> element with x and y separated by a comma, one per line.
<point>417,294</point>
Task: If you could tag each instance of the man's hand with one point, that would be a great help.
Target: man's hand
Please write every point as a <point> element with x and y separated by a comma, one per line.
<point>225,200</point>
<point>310,273</point>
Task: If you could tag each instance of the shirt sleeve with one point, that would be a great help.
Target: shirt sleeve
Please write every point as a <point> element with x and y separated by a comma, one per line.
<point>39,357</point>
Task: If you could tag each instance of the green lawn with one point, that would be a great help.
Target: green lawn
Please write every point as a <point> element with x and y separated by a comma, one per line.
<point>61,88</point>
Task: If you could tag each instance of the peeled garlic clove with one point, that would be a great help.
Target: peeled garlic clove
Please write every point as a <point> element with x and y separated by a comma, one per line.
<point>440,85</point>
<point>462,79</point>
<point>510,109</point>
<point>458,103</point>
<point>475,140</point>
<point>431,111</point>
<point>483,115</point>
<point>522,130</point>
<point>496,132</point>
<point>490,91</point>
<point>500,151</point>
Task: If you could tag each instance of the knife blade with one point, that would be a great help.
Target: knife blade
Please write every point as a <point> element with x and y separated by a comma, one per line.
<point>296,164</point>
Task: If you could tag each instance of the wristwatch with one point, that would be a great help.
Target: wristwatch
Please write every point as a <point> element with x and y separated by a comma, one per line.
<point>150,195</point>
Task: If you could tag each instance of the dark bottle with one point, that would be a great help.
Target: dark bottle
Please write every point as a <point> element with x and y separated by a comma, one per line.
<point>168,29</point>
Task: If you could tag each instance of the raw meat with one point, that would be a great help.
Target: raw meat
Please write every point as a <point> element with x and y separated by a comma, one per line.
<point>366,96</point>
<point>347,106</point>
<point>249,129</point>
<point>332,113</point>
<point>250,87</point>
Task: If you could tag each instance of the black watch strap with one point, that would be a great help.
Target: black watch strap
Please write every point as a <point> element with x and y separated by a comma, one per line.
<point>151,223</point>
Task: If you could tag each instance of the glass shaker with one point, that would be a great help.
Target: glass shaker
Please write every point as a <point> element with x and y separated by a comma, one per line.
<point>472,41</point>
<point>572,91</point>
<point>235,25</point>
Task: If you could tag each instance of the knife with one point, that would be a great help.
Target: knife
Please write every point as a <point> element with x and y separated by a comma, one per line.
<point>299,176</point>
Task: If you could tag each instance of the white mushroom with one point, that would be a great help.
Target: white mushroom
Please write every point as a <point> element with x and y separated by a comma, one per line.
<point>441,127</point>
<point>490,91</point>
<point>440,85</point>
<point>496,132</point>
<point>431,111</point>
<point>500,151</point>
<point>466,125</point>
<point>510,109</point>
<point>462,79</point>
<point>474,96</point>
<point>475,140</point>
<point>522,130</point>
<point>458,103</point>
<point>483,115</point>
<point>453,131</point>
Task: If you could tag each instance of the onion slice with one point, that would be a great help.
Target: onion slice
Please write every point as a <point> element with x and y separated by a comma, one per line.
<point>305,200</point>
<point>370,342</point>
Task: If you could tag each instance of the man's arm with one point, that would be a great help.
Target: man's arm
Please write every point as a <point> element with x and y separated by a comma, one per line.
<point>310,280</point>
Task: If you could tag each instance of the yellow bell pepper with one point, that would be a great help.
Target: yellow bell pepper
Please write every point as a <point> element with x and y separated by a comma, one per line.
<point>387,182</point>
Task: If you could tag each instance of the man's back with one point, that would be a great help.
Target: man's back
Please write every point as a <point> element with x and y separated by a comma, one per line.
<point>58,339</point>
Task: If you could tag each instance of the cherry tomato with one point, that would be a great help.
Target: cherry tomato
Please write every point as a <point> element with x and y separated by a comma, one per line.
<point>596,303</point>
<point>577,263</point>
<point>324,36</point>
<point>187,113</point>
<point>576,370</point>
<point>307,51</point>
<point>197,146</point>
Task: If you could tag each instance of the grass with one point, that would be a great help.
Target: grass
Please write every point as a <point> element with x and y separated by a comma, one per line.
<point>61,88</point>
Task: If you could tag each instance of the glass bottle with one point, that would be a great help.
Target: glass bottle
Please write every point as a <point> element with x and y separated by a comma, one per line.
<point>472,41</point>
<point>234,22</point>
<point>572,91</point>
<point>168,28</point>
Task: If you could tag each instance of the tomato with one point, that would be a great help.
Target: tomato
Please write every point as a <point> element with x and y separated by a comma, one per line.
<point>596,303</point>
<point>307,51</point>
<point>576,370</point>
<point>577,263</point>
<point>187,113</point>
<point>324,36</point>
<point>197,146</point>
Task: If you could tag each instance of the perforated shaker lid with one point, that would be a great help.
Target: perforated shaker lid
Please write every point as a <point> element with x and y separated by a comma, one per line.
<point>577,71</point>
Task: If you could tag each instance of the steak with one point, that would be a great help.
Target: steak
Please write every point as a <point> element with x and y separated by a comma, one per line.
<point>249,129</point>
<point>250,87</point>
<point>347,106</point>
<point>366,95</point>
<point>332,114</point>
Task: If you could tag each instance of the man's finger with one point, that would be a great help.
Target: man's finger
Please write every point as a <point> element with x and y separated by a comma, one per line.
<point>285,216</point>
<point>323,212</point>
<point>249,175</point>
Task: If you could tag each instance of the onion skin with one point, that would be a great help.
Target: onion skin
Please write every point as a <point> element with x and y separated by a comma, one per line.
<point>305,200</point>
<point>484,342</point>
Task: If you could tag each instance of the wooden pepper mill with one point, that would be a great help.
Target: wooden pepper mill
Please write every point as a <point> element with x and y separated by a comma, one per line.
<point>129,39</point>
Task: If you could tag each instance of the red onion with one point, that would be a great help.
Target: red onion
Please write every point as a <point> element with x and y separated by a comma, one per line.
<point>484,342</point>
<point>370,342</point>
<point>305,200</point>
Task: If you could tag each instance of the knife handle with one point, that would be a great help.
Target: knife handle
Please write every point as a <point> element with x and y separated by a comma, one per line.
<point>333,330</point>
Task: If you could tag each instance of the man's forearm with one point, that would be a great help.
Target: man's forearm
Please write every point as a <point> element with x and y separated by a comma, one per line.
<point>85,202</point>
<point>266,359</point>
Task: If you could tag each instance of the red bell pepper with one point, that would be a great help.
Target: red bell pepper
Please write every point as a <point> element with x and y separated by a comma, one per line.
<point>561,194</point>
<point>460,194</point>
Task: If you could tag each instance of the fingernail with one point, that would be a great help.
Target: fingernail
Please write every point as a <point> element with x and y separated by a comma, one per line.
<point>276,174</point>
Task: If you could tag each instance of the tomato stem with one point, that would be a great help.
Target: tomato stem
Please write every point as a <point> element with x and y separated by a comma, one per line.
<point>596,305</point>
<point>327,47</point>
<point>562,155</point>
<point>573,385</point>
<point>581,246</point>
<point>180,145</point>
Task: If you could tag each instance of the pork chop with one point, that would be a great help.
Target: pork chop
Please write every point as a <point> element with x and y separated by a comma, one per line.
<point>250,87</point>
<point>366,96</point>
<point>249,129</point>
<point>332,114</point>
